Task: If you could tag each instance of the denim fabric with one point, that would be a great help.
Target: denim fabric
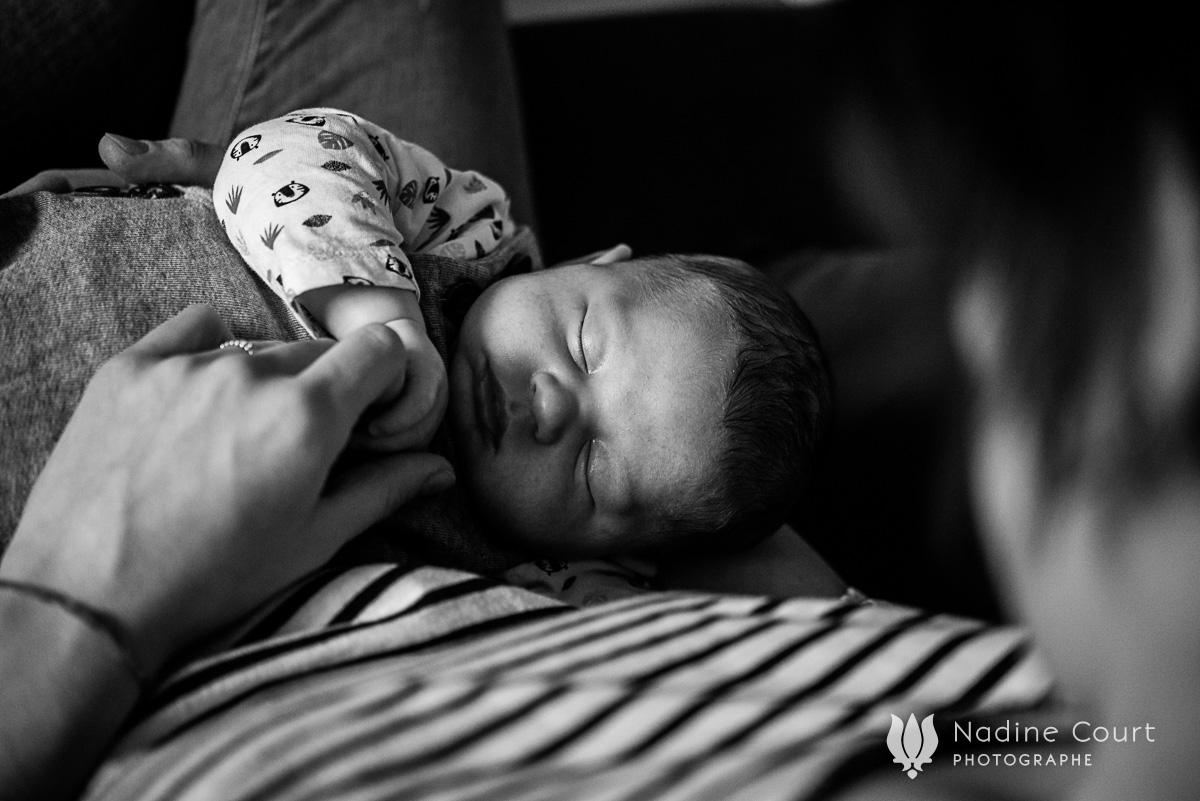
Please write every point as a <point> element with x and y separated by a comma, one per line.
<point>82,278</point>
<point>438,73</point>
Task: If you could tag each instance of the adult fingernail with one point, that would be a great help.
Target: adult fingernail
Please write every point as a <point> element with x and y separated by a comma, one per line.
<point>440,481</point>
<point>133,147</point>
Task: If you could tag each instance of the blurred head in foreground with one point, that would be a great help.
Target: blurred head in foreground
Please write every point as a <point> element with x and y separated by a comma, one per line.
<point>1054,151</point>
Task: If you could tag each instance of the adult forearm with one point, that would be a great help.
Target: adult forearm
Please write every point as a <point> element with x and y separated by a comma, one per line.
<point>66,690</point>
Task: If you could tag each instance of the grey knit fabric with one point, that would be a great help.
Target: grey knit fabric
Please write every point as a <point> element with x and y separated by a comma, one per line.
<point>82,278</point>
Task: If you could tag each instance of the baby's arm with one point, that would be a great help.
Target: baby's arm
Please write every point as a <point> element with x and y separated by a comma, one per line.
<point>323,205</point>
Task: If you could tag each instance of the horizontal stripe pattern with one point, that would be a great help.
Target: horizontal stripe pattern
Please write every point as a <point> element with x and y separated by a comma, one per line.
<point>438,684</point>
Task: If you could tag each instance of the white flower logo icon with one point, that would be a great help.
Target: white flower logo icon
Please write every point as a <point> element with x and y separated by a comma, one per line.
<point>912,746</point>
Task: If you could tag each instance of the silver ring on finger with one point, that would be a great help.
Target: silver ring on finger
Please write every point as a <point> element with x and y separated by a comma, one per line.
<point>242,344</point>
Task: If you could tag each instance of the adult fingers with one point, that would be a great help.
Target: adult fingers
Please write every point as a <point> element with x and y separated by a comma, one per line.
<point>50,181</point>
<point>369,492</point>
<point>286,358</point>
<point>177,161</point>
<point>65,181</point>
<point>365,367</point>
<point>196,328</point>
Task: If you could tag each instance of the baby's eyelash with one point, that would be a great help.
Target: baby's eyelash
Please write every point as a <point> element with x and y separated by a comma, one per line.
<point>582,353</point>
<point>587,470</point>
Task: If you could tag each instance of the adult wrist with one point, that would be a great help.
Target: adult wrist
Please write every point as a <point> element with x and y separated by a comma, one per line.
<point>98,591</point>
<point>103,626</point>
<point>66,693</point>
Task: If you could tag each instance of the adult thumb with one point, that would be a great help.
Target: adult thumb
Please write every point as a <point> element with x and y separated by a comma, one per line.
<point>174,161</point>
<point>375,489</point>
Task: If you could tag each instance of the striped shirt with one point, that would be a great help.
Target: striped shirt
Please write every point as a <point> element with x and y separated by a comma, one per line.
<point>378,683</point>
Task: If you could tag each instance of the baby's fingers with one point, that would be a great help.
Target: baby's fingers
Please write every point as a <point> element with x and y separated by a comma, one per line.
<point>411,421</point>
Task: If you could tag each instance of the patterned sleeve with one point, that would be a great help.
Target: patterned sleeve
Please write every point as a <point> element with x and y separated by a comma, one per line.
<point>320,197</point>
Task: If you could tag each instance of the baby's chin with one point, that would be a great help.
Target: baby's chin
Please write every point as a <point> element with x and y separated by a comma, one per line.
<point>471,467</point>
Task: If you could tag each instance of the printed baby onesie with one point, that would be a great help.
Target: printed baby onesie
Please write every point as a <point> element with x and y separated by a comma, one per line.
<point>321,197</point>
<point>585,582</point>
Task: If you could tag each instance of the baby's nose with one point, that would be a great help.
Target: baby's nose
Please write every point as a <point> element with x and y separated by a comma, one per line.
<point>555,408</point>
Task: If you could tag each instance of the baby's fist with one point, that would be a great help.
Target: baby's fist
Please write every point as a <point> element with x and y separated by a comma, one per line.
<point>410,421</point>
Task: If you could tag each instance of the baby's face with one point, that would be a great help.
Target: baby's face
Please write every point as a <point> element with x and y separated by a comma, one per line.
<point>578,405</point>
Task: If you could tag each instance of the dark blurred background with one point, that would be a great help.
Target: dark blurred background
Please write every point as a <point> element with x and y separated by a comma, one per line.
<point>712,131</point>
<point>723,132</point>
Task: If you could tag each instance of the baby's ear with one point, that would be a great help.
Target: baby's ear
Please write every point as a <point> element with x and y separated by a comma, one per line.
<point>613,255</point>
<point>610,256</point>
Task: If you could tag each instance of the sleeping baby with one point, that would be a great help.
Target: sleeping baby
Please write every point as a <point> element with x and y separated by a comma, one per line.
<point>607,406</point>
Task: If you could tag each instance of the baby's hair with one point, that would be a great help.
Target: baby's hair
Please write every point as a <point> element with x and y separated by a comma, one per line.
<point>777,401</point>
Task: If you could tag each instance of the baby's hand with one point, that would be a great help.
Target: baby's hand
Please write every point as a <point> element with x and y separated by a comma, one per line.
<point>408,421</point>
<point>411,419</point>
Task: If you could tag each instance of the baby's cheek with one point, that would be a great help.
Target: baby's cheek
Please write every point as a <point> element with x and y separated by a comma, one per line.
<point>513,500</point>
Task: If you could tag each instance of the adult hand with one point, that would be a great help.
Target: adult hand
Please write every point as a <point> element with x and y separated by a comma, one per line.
<point>65,181</point>
<point>134,161</point>
<point>164,161</point>
<point>192,483</point>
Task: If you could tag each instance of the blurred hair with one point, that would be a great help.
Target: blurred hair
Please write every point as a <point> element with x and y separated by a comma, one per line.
<point>777,403</point>
<point>1026,133</point>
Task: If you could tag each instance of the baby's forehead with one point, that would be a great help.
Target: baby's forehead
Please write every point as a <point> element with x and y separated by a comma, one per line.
<point>642,297</point>
<point>694,305</point>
